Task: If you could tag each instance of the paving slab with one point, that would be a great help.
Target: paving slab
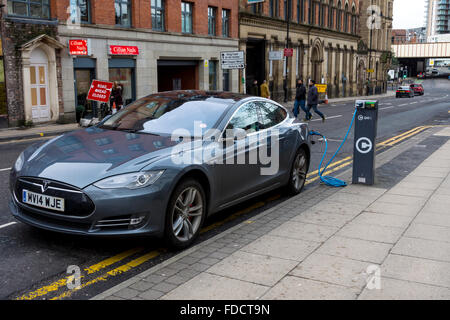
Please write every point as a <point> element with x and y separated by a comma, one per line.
<point>369,232</point>
<point>423,248</point>
<point>414,269</point>
<point>351,209</point>
<point>409,210</point>
<point>430,232</point>
<point>281,247</point>
<point>304,231</point>
<point>356,249</point>
<point>294,288</point>
<point>393,289</point>
<point>403,200</point>
<point>333,269</point>
<point>265,270</point>
<point>323,218</point>
<point>208,286</point>
<point>432,218</point>
<point>384,220</point>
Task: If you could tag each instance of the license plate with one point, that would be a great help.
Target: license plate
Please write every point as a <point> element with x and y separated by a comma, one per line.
<point>402,91</point>
<point>42,200</point>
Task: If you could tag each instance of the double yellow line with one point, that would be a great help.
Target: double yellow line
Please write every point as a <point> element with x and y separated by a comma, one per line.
<point>61,283</point>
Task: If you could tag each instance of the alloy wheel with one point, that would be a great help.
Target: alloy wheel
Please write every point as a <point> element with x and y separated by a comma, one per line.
<point>187,214</point>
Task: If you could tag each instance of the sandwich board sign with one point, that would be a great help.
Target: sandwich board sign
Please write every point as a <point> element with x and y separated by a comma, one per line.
<point>232,60</point>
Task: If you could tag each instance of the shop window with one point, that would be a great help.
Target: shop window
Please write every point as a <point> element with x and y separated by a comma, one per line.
<point>225,23</point>
<point>29,8</point>
<point>123,13</point>
<point>186,17</point>
<point>124,78</point>
<point>212,21</point>
<point>158,15</point>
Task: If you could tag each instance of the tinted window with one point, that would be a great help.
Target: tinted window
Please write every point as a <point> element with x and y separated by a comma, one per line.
<point>163,115</point>
<point>246,118</point>
<point>271,115</point>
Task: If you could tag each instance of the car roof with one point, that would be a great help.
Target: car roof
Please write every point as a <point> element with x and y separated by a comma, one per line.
<point>225,97</point>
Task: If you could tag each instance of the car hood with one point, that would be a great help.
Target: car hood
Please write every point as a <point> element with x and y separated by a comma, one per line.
<point>85,156</point>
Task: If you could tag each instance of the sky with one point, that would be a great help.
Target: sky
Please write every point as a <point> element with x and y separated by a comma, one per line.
<point>408,14</point>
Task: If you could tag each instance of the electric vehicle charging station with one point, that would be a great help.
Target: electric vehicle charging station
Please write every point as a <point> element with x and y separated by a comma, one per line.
<point>365,134</point>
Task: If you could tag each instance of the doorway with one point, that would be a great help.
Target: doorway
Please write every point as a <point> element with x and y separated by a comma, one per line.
<point>255,62</point>
<point>40,104</point>
<point>177,75</point>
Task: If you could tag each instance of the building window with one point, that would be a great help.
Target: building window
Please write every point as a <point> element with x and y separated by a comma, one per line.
<point>287,9</point>
<point>186,17</point>
<point>212,21</point>
<point>123,13</point>
<point>80,11</point>
<point>339,17</point>
<point>346,18</point>
<point>300,11</point>
<point>331,15</point>
<point>225,23</point>
<point>158,15</point>
<point>29,8</point>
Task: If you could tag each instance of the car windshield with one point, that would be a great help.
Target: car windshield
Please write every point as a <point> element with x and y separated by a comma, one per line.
<point>162,115</point>
<point>404,88</point>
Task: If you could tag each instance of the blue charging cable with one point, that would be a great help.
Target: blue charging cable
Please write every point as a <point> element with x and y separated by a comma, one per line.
<point>331,181</point>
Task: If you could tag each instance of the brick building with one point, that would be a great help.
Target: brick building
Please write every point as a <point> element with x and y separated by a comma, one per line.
<point>145,45</point>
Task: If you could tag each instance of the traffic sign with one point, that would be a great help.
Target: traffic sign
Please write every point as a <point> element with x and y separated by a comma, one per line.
<point>321,88</point>
<point>288,52</point>
<point>232,60</point>
<point>100,91</point>
<point>370,70</point>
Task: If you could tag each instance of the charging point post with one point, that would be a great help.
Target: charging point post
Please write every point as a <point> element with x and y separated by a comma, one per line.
<point>364,142</point>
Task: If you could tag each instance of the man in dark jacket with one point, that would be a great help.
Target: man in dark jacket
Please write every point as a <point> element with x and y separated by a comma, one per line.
<point>313,100</point>
<point>300,99</point>
<point>254,90</point>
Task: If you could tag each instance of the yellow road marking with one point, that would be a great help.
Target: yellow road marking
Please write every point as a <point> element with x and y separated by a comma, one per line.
<point>132,264</point>
<point>55,286</point>
<point>119,270</point>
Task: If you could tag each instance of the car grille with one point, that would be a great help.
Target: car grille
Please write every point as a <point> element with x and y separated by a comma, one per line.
<point>76,202</point>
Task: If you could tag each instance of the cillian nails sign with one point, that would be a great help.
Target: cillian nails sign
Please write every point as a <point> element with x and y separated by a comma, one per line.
<point>124,50</point>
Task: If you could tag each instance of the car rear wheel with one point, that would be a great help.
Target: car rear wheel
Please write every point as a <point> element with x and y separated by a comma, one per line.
<point>185,214</point>
<point>299,169</point>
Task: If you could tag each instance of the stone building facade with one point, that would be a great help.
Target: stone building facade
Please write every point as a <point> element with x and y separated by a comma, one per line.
<point>324,35</point>
<point>376,39</point>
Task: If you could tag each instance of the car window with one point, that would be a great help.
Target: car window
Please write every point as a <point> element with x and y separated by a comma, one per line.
<point>271,114</point>
<point>246,118</point>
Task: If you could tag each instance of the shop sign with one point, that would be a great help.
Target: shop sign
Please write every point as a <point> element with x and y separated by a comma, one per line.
<point>100,91</point>
<point>78,47</point>
<point>275,55</point>
<point>124,50</point>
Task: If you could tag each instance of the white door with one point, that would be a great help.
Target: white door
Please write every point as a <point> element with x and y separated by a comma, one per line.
<point>40,105</point>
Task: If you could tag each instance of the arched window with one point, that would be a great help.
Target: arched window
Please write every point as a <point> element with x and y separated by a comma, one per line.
<point>346,18</point>
<point>310,4</point>
<point>300,11</point>
<point>339,16</point>
<point>331,15</point>
<point>353,20</point>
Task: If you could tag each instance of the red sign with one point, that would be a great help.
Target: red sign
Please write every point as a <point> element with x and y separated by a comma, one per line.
<point>100,91</point>
<point>288,52</point>
<point>124,50</point>
<point>78,47</point>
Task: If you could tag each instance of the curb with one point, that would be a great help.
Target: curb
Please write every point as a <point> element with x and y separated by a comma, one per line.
<point>35,135</point>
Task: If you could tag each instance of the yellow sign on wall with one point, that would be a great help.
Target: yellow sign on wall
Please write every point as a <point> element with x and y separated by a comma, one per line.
<point>370,70</point>
<point>321,88</point>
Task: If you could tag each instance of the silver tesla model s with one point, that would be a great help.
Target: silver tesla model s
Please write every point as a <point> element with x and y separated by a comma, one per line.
<point>160,166</point>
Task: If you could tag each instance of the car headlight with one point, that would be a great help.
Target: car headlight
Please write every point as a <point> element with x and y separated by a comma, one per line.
<point>19,162</point>
<point>133,180</point>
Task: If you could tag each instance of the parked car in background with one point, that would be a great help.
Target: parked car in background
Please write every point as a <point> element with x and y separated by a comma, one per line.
<point>417,89</point>
<point>420,75</point>
<point>404,91</point>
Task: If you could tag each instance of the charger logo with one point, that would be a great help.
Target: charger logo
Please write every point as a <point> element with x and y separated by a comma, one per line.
<point>363,145</point>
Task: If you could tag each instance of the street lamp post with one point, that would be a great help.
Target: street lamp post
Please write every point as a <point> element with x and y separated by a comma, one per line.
<point>370,48</point>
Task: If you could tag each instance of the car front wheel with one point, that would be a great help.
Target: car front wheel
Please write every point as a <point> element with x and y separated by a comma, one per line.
<point>185,214</point>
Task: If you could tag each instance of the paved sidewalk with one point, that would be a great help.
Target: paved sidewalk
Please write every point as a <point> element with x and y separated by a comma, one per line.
<point>37,131</point>
<point>397,238</point>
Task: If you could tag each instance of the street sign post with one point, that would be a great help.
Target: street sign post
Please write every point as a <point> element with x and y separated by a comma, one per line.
<point>232,60</point>
<point>100,91</point>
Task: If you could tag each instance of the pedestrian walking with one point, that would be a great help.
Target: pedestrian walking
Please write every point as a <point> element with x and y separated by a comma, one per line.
<point>313,101</point>
<point>300,99</point>
<point>264,89</point>
<point>116,95</point>
<point>254,88</point>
